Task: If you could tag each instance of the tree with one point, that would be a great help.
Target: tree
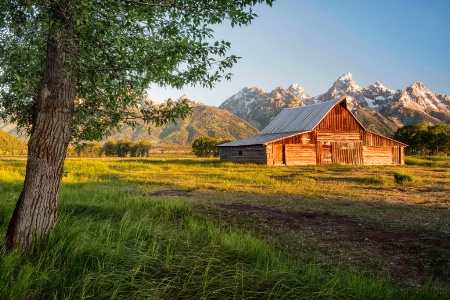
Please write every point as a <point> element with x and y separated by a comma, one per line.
<point>424,139</point>
<point>110,148</point>
<point>89,149</point>
<point>439,139</point>
<point>415,136</point>
<point>124,147</point>
<point>143,148</point>
<point>76,69</point>
<point>206,146</point>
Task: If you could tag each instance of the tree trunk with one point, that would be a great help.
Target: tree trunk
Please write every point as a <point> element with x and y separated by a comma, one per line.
<point>36,210</point>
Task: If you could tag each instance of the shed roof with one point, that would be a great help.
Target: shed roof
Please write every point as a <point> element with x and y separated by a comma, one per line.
<point>259,139</point>
<point>300,119</point>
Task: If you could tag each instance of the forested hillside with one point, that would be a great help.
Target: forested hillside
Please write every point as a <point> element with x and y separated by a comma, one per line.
<point>10,145</point>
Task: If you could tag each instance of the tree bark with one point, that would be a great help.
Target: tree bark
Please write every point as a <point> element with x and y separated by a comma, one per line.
<point>36,210</point>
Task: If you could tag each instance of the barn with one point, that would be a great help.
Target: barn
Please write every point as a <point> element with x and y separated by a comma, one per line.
<point>317,134</point>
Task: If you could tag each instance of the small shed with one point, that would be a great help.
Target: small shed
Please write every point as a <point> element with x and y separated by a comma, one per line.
<point>321,133</point>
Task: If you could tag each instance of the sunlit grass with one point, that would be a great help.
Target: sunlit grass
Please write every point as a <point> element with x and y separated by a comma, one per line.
<point>116,240</point>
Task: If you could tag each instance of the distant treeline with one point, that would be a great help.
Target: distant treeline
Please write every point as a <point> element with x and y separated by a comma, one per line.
<point>121,148</point>
<point>424,139</point>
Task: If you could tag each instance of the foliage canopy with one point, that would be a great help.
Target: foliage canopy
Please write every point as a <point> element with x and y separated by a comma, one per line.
<point>115,50</point>
<point>207,146</point>
<point>423,139</point>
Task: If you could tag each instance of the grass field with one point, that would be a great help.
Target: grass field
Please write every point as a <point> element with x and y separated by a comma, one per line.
<point>179,227</point>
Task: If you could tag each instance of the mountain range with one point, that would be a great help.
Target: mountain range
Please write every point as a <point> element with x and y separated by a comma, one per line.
<point>377,107</point>
<point>244,114</point>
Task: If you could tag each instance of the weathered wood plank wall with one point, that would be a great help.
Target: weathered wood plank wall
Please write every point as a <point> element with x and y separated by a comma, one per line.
<point>300,154</point>
<point>373,139</point>
<point>377,155</point>
<point>301,138</point>
<point>249,154</point>
<point>339,119</point>
<point>338,136</point>
<point>347,153</point>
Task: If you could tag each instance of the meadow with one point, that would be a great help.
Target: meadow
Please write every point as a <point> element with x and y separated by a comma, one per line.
<point>181,227</point>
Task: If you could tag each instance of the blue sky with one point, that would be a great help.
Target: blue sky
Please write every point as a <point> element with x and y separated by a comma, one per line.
<point>313,42</point>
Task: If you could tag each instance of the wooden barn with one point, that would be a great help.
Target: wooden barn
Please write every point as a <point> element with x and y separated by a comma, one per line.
<point>322,133</point>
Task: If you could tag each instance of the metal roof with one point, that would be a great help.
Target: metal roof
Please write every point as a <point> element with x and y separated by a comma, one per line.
<point>300,119</point>
<point>259,139</point>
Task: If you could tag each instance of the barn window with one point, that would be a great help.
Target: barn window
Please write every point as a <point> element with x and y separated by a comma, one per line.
<point>240,153</point>
<point>348,146</point>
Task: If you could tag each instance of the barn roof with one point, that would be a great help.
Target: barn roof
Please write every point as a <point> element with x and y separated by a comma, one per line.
<point>301,119</point>
<point>289,122</point>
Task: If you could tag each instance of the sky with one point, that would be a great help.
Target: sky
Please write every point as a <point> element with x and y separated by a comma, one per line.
<point>314,42</point>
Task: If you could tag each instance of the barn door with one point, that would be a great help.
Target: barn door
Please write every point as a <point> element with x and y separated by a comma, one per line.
<point>326,154</point>
<point>396,155</point>
<point>278,155</point>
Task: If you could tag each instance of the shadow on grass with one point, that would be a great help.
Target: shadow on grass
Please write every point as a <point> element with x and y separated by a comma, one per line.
<point>90,211</point>
<point>181,161</point>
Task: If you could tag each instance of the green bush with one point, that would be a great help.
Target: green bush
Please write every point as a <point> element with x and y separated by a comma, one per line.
<point>401,178</point>
<point>376,179</point>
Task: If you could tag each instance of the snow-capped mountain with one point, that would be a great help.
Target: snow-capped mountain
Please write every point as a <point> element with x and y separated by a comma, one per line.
<point>377,95</point>
<point>378,108</point>
<point>345,86</point>
<point>298,91</point>
<point>418,105</point>
<point>259,107</point>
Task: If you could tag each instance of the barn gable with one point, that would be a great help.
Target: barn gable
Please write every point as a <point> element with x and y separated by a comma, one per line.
<point>316,134</point>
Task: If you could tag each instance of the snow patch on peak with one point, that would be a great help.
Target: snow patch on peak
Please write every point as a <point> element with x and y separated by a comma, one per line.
<point>346,77</point>
<point>371,102</point>
<point>378,85</point>
<point>296,89</point>
<point>251,89</point>
<point>255,88</point>
<point>295,86</point>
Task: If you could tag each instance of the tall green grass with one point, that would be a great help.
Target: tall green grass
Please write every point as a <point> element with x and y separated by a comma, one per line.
<point>112,241</point>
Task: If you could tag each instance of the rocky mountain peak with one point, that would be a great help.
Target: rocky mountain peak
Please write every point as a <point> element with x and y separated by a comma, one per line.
<point>344,86</point>
<point>298,91</point>
<point>248,93</point>
<point>378,85</point>
<point>253,89</point>
<point>295,89</point>
<point>346,77</point>
<point>184,97</point>
<point>418,87</point>
<point>376,89</point>
<point>345,83</point>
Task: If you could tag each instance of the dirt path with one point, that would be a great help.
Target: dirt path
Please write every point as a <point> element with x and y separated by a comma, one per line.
<point>410,256</point>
